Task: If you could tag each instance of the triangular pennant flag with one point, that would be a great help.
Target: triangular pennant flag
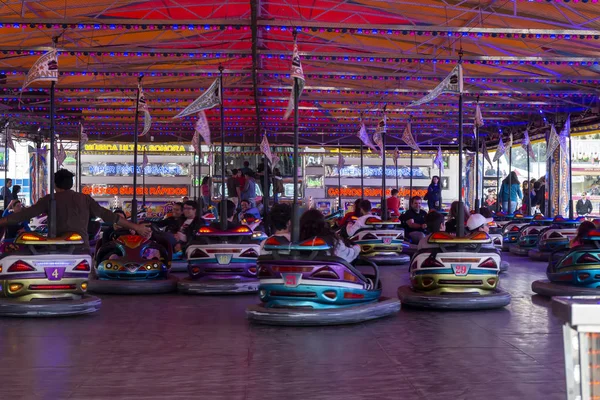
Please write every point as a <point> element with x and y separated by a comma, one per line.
<point>296,73</point>
<point>382,125</point>
<point>144,160</point>
<point>478,117</point>
<point>83,137</point>
<point>485,153</point>
<point>408,138</point>
<point>563,137</point>
<point>453,83</point>
<point>500,150</point>
<point>526,144</point>
<point>553,142</point>
<point>210,158</point>
<point>44,69</point>
<point>9,140</point>
<point>143,106</point>
<point>438,161</point>
<point>265,147</point>
<point>203,129</point>
<point>364,136</point>
<point>196,142</point>
<point>276,159</point>
<point>379,142</point>
<point>209,99</point>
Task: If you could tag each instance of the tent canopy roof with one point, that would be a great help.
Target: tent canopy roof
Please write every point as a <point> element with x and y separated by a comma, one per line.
<point>523,61</point>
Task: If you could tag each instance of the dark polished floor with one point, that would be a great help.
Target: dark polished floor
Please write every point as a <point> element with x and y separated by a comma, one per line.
<point>185,347</point>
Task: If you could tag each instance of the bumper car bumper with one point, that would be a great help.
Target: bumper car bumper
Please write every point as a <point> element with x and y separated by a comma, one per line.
<point>504,266</point>
<point>214,285</point>
<point>149,286</point>
<point>387,258</point>
<point>539,255</point>
<point>544,287</point>
<point>519,250</point>
<point>179,266</point>
<point>79,305</point>
<point>317,317</point>
<point>456,301</point>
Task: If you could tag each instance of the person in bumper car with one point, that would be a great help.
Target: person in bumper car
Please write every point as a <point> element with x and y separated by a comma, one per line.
<point>313,224</point>
<point>349,215</point>
<point>479,223</point>
<point>106,235</point>
<point>364,209</point>
<point>414,220</point>
<point>453,215</point>
<point>231,224</point>
<point>191,225</point>
<point>12,231</point>
<point>281,220</point>
<point>174,221</point>
<point>435,223</point>
<point>393,203</point>
<point>584,229</point>
<point>247,208</point>
<point>73,210</point>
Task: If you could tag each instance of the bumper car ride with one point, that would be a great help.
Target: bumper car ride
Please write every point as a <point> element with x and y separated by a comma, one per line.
<point>528,238</point>
<point>555,238</point>
<point>573,272</point>
<point>221,262</point>
<point>306,286</point>
<point>131,264</point>
<point>458,274</point>
<point>41,277</point>
<point>382,242</point>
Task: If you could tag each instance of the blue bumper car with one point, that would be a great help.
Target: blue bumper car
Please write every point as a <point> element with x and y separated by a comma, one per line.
<point>555,238</point>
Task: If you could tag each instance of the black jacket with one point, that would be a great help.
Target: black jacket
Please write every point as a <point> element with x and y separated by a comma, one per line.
<point>584,207</point>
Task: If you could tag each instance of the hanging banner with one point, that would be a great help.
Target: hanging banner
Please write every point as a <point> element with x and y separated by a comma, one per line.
<point>44,69</point>
<point>408,138</point>
<point>563,138</point>
<point>296,73</point>
<point>265,147</point>
<point>500,151</point>
<point>526,144</point>
<point>453,83</point>
<point>485,153</point>
<point>209,99</point>
<point>364,137</point>
<point>143,106</point>
<point>553,142</point>
<point>61,156</point>
<point>478,117</point>
<point>438,161</point>
<point>203,129</point>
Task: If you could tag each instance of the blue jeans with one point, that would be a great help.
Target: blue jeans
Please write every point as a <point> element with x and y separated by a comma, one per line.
<point>513,207</point>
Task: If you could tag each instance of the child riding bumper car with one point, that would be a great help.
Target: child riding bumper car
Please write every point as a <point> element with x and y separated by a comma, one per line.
<point>42,277</point>
<point>302,284</point>
<point>455,273</point>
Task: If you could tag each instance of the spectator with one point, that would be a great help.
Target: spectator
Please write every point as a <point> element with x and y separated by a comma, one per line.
<point>584,205</point>
<point>6,193</point>
<point>246,169</point>
<point>540,195</point>
<point>249,190</point>
<point>414,220</point>
<point>393,203</point>
<point>510,191</point>
<point>434,194</point>
<point>233,185</point>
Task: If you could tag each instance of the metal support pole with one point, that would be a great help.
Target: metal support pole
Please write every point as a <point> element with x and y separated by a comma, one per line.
<point>498,201</point>
<point>571,213</point>
<point>477,169</point>
<point>441,188</point>
<point>396,165</point>
<point>5,158</point>
<point>411,176</point>
<point>295,163</point>
<point>266,195</point>
<point>194,177</point>
<point>339,178</point>
<point>509,179</point>
<point>529,186</point>
<point>384,215</point>
<point>460,226</point>
<point>144,183</point>
<point>223,208</point>
<point>135,153</point>
<point>362,174</point>
<point>79,169</point>
<point>197,182</point>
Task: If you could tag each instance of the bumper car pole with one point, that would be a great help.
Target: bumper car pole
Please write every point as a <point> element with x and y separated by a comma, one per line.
<point>383,163</point>
<point>362,175</point>
<point>570,179</point>
<point>340,165</point>
<point>223,210</point>
<point>411,175</point>
<point>460,227</point>
<point>52,211</point>
<point>477,164</point>
<point>295,208</point>
<point>135,153</point>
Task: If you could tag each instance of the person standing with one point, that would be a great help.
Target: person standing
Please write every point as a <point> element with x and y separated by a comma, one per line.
<point>584,205</point>
<point>512,192</point>
<point>6,193</point>
<point>434,194</point>
<point>249,191</point>
<point>233,185</point>
<point>540,195</point>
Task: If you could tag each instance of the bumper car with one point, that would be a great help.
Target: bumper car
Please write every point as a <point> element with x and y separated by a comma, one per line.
<point>458,274</point>
<point>41,277</point>
<point>131,264</point>
<point>528,237</point>
<point>382,242</point>
<point>555,238</point>
<point>301,285</point>
<point>575,272</point>
<point>512,230</point>
<point>221,262</point>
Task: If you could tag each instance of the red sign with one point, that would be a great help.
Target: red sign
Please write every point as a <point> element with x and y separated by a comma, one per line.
<point>126,190</point>
<point>354,192</point>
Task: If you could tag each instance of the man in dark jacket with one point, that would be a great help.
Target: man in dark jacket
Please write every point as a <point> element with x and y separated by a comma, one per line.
<point>584,205</point>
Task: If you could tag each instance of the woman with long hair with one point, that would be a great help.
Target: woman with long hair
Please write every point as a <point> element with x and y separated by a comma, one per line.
<point>313,224</point>
<point>434,194</point>
<point>510,190</point>
<point>584,229</point>
<point>452,223</point>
